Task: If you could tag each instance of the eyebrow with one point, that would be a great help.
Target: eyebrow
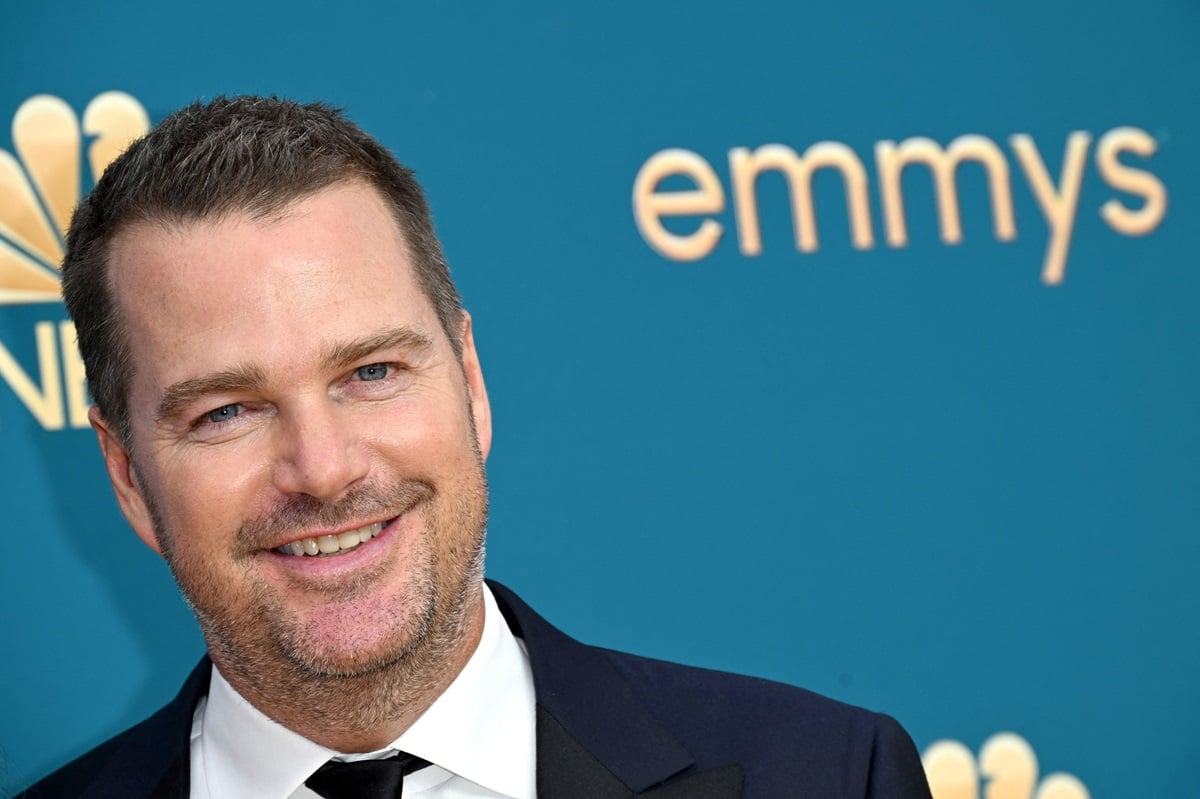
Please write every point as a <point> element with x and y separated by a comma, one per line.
<point>178,396</point>
<point>249,378</point>
<point>342,354</point>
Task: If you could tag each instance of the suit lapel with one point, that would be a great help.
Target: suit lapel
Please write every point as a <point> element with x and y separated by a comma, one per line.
<point>595,738</point>
<point>566,770</point>
<point>715,783</point>
<point>176,783</point>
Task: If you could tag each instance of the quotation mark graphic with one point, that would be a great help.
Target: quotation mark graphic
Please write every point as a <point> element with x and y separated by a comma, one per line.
<point>39,192</point>
<point>1006,761</point>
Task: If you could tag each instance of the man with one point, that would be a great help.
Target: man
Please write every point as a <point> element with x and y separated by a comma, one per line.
<point>292,413</point>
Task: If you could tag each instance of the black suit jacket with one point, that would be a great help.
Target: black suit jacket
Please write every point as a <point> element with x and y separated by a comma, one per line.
<point>609,726</point>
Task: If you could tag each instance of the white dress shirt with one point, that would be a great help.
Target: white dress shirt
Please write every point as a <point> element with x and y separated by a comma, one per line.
<point>479,734</point>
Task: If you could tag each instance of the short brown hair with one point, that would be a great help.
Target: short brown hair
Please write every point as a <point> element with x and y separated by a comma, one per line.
<point>253,155</point>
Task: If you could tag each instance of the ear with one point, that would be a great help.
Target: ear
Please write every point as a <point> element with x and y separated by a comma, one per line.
<point>480,406</point>
<point>125,484</point>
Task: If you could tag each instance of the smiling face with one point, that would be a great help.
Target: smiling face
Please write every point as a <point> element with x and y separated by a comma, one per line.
<point>293,393</point>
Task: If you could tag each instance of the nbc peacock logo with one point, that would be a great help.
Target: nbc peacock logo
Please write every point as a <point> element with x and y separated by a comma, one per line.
<point>39,187</point>
<point>1006,761</point>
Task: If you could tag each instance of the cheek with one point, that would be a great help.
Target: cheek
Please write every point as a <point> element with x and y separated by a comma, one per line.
<point>419,435</point>
<point>207,496</point>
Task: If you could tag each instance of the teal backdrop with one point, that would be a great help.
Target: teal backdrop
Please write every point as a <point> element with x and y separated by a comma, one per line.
<point>949,481</point>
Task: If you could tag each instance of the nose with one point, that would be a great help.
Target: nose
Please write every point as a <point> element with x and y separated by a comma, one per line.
<point>321,452</point>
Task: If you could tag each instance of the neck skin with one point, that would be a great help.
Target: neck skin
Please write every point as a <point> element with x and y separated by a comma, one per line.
<point>364,712</point>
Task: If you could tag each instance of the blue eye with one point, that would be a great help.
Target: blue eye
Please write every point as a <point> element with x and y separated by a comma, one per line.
<point>375,371</point>
<point>223,414</point>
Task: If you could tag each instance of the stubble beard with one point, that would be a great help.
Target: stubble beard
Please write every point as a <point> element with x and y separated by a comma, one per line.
<point>276,664</point>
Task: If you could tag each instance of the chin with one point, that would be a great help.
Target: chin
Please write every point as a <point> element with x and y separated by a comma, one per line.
<point>356,659</point>
<point>348,642</point>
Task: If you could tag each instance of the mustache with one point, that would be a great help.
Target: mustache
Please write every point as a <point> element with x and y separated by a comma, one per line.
<point>303,513</point>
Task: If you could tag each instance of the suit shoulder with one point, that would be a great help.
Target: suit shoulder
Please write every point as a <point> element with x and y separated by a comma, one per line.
<point>148,759</point>
<point>678,686</point>
<point>149,756</point>
<point>74,779</point>
<point>782,734</point>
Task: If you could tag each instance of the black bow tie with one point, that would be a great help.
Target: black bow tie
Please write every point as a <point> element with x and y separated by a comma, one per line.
<point>365,779</point>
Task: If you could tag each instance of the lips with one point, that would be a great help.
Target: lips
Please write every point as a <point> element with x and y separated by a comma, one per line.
<point>327,545</point>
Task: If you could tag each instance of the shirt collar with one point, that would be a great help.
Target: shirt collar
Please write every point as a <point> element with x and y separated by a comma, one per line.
<point>481,728</point>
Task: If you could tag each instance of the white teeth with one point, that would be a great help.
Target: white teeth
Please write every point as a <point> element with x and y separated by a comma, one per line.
<point>331,544</point>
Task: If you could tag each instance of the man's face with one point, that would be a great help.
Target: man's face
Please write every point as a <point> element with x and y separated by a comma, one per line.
<point>294,392</point>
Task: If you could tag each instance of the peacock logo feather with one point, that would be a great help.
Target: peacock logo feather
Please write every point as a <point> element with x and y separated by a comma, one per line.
<point>40,186</point>
<point>1006,761</point>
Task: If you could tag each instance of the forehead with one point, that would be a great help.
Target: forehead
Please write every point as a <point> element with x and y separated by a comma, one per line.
<point>333,267</point>
<point>340,223</point>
